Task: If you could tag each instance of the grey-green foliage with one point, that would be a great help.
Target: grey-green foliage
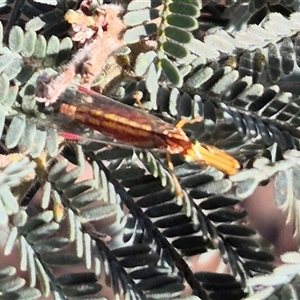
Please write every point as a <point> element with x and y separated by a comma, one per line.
<point>26,53</point>
<point>14,286</point>
<point>172,23</point>
<point>130,227</point>
<point>281,284</point>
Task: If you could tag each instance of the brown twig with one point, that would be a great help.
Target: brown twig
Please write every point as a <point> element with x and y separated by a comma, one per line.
<point>90,60</point>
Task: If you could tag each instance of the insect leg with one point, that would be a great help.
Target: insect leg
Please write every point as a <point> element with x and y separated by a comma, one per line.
<point>183,122</point>
<point>178,190</point>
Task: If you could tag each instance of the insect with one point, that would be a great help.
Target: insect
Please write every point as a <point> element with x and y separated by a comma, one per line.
<point>139,129</point>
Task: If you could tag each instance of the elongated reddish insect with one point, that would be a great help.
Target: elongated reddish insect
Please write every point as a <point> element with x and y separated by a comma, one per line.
<point>141,130</point>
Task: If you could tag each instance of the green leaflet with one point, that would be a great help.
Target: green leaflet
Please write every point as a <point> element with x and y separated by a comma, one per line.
<point>4,87</point>
<point>196,3</point>
<point>16,39</point>
<point>171,72</point>
<point>181,21</point>
<point>135,34</point>
<point>143,61</point>
<point>40,47</point>
<point>141,16</point>
<point>15,131</point>
<point>52,51</point>
<point>137,5</point>
<point>184,9</point>
<point>177,34</point>
<point>29,43</point>
<point>174,49</point>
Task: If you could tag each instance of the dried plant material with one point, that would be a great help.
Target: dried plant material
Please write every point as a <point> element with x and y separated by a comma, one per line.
<point>102,36</point>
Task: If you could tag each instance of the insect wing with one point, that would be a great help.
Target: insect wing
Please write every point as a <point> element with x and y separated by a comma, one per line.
<point>124,123</point>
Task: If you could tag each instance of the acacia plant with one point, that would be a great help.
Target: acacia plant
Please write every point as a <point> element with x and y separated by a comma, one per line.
<point>84,217</point>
